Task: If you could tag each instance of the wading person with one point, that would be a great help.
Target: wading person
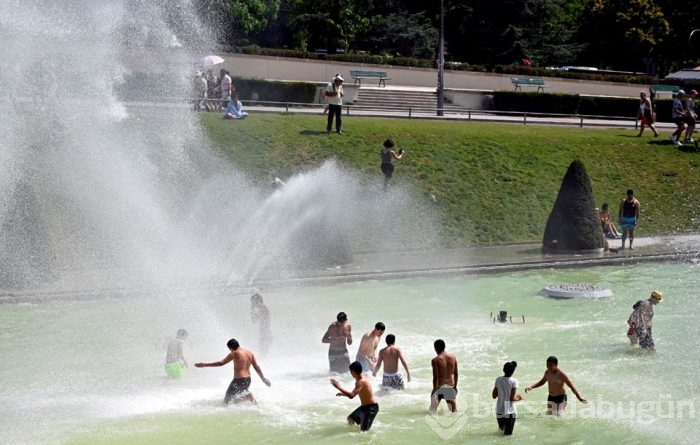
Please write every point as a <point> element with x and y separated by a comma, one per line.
<point>641,320</point>
<point>445,378</point>
<point>175,362</point>
<point>338,336</point>
<point>334,96</point>
<point>260,314</point>
<point>390,357</point>
<point>366,353</point>
<point>505,391</point>
<point>556,379</point>
<point>629,217</point>
<point>242,360</point>
<point>365,414</point>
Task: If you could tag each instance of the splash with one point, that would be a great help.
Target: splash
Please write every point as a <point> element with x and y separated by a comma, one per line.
<point>106,180</point>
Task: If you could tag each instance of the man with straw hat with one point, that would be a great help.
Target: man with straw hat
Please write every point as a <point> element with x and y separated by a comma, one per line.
<point>641,320</point>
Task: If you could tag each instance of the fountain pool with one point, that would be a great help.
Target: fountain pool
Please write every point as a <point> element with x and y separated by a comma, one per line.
<point>91,371</point>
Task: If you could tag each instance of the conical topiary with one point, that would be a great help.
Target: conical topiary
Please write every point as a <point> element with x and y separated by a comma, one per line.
<point>573,226</point>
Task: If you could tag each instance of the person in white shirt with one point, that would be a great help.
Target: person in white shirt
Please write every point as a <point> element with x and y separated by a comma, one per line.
<point>678,116</point>
<point>690,115</point>
<point>505,391</point>
<point>334,96</point>
<point>646,115</point>
<point>225,87</point>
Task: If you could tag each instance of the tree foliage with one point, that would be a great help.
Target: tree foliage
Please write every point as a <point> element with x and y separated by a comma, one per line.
<point>631,35</point>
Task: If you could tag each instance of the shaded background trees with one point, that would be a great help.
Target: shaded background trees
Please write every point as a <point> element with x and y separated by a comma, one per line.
<point>630,35</point>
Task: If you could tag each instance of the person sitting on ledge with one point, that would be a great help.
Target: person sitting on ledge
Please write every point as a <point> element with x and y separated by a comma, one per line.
<point>609,229</point>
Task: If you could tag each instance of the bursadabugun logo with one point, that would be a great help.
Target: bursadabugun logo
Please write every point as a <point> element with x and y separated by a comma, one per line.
<point>449,424</point>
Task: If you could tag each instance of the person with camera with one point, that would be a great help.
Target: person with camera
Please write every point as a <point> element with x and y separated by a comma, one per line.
<point>334,97</point>
<point>388,155</point>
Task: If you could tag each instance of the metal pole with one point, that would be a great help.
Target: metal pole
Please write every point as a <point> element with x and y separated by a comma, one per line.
<point>441,62</point>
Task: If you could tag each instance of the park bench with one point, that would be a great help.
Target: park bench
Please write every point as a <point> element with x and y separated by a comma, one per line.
<point>520,82</point>
<point>665,89</point>
<point>359,75</point>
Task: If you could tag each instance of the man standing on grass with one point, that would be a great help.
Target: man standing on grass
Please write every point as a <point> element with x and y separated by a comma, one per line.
<point>334,96</point>
<point>629,216</point>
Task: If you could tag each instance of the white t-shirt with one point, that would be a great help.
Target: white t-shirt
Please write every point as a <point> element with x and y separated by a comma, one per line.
<point>677,104</point>
<point>225,86</point>
<point>504,385</point>
<point>337,99</point>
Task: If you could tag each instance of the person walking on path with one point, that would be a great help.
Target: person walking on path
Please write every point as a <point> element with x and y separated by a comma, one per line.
<point>678,117</point>
<point>646,114</point>
<point>242,360</point>
<point>629,217</point>
<point>338,335</point>
<point>690,116</point>
<point>640,321</point>
<point>388,155</point>
<point>334,95</point>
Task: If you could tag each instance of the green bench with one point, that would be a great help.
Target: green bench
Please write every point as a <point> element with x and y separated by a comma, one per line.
<point>359,75</point>
<point>665,88</point>
<point>520,82</point>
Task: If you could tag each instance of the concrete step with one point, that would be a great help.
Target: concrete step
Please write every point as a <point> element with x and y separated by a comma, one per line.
<point>388,99</point>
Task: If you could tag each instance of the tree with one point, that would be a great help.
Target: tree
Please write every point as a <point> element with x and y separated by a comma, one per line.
<point>332,24</point>
<point>409,35</point>
<point>237,20</point>
<point>551,29</point>
<point>621,33</point>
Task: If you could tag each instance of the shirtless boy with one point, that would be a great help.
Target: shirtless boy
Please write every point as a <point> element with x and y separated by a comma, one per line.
<point>444,378</point>
<point>365,414</point>
<point>338,335</point>
<point>390,356</point>
<point>242,360</point>
<point>366,353</point>
<point>556,378</point>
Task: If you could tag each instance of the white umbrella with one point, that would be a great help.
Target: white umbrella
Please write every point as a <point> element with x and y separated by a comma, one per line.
<point>210,60</point>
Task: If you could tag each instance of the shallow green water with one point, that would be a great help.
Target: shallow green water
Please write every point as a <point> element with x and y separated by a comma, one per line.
<point>91,371</point>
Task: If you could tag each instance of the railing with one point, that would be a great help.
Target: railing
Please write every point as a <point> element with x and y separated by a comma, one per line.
<point>448,113</point>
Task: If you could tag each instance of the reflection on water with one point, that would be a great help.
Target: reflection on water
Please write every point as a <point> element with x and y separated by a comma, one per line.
<point>92,371</point>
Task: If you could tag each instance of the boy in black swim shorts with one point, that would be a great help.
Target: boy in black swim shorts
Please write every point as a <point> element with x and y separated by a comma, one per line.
<point>365,414</point>
<point>556,379</point>
<point>237,390</point>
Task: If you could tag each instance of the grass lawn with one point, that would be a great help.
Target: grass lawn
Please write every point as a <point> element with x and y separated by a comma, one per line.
<point>489,182</point>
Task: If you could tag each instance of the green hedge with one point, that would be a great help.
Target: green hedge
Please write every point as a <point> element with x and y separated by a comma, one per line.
<point>457,66</point>
<point>532,102</point>
<point>274,91</point>
<point>535,102</point>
